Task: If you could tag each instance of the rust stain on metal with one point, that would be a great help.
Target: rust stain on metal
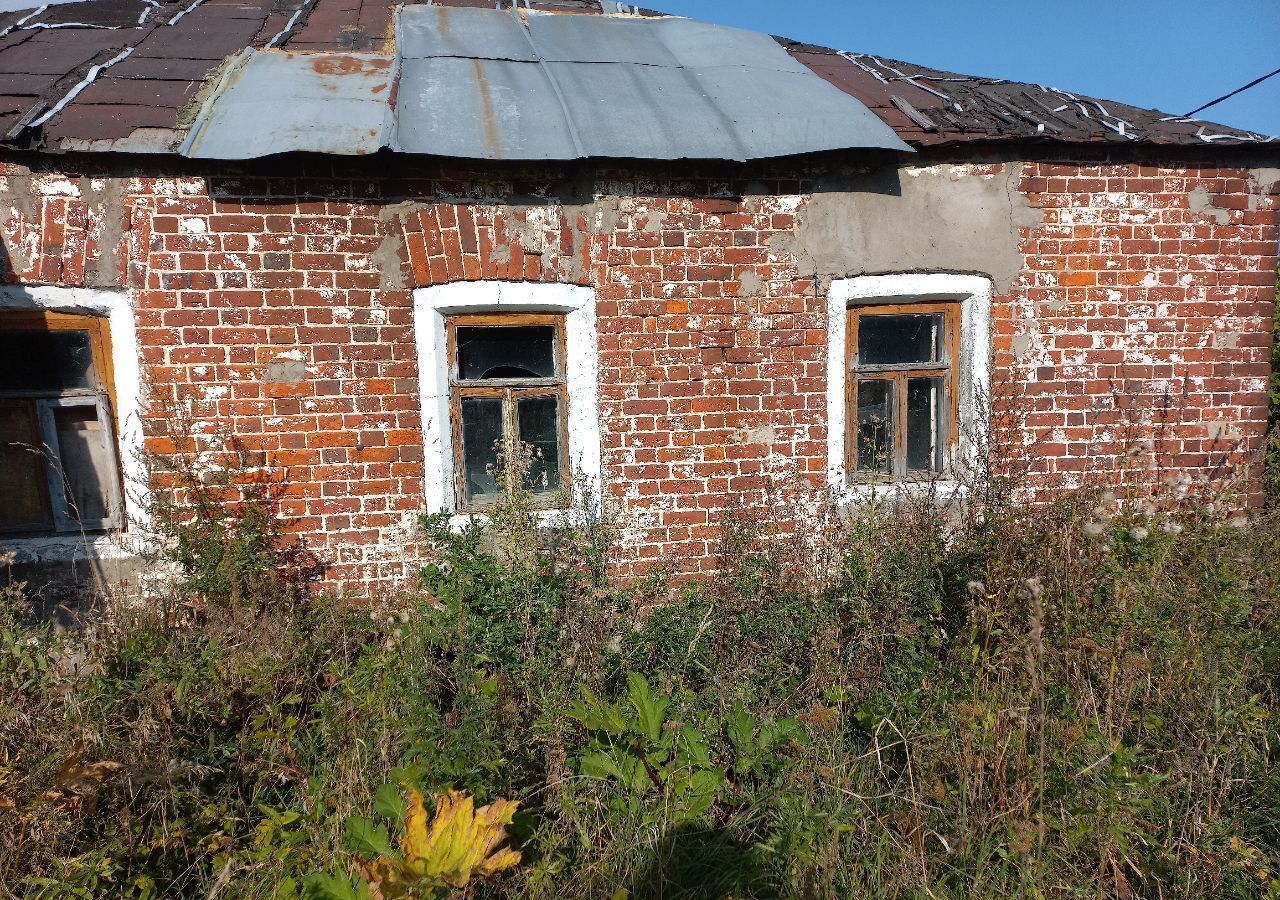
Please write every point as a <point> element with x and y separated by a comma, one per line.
<point>488,120</point>
<point>333,64</point>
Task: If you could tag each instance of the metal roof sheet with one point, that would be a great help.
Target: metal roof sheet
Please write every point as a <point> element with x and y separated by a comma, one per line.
<point>437,31</point>
<point>316,103</point>
<point>512,110</point>
<point>481,83</point>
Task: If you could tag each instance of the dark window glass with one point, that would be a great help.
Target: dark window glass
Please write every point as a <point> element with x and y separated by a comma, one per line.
<point>898,340</point>
<point>23,483</point>
<point>924,424</point>
<point>875,426</point>
<point>47,361</point>
<point>525,351</point>
<point>481,445</point>
<point>540,433</point>
<point>86,464</point>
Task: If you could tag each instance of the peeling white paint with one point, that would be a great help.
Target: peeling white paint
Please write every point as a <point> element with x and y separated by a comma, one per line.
<point>57,186</point>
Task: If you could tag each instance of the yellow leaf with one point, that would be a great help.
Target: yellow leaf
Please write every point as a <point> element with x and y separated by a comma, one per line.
<point>505,858</point>
<point>460,843</point>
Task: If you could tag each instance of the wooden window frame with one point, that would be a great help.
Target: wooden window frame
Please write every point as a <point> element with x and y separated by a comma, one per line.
<point>44,404</point>
<point>510,391</point>
<point>899,374</point>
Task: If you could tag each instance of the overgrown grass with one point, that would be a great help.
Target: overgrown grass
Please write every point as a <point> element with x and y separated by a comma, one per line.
<point>1075,700</point>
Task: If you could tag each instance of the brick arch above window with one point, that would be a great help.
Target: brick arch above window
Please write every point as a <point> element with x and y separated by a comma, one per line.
<point>447,243</point>
<point>431,308</point>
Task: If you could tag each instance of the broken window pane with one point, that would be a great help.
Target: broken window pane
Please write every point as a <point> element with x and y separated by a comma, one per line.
<point>897,340</point>
<point>46,361</point>
<point>540,433</point>
<point>481,446</point>
<point>526,351</point>
<point>924,424</point>
<point>86,463</point>
<point>875,426</point>
<point>23,482</point>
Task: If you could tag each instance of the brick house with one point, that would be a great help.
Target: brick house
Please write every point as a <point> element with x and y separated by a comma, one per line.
<point>380,246</point>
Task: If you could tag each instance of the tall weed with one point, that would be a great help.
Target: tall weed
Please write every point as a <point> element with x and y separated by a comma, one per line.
<point>899,699</point>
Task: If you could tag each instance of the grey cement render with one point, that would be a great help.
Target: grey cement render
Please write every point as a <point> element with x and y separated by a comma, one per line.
<point>938,218</point>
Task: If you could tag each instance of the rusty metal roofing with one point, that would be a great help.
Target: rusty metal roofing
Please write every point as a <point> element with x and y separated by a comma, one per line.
<point>592,77</point>
<point>478,83</point>
<point>316,102</point>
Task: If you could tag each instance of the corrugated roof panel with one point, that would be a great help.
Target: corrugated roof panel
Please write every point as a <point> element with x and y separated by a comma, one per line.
<point>601,39</point>
<point>779,114</point>
<point>277,102</point>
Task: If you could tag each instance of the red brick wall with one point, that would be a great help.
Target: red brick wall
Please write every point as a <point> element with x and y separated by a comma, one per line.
<point>1143,321</point>
<point>279,307</point>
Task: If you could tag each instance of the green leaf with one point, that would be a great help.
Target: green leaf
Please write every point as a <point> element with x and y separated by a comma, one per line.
<point>693,752</point>
<point>368,839</point>
<point>598,715</point>
<point>322,886</point>
<point>389,802</point>
<point>641,781</point>
<point>602,765</point>
<point>702,790</point>
<point>652,711</point>
<point>783,731</point>
<point>741,727</point>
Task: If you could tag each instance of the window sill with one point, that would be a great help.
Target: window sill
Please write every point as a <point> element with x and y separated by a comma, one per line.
<point>944,491</point>
<point>65,548</point>
<point>545,518</point>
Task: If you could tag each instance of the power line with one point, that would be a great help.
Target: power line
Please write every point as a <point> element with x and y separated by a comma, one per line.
<point>1239,90</point>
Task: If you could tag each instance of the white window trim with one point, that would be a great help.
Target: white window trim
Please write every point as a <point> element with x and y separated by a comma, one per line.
<point>973,379</point>
<point>582,371</point>
<point>117,308</point>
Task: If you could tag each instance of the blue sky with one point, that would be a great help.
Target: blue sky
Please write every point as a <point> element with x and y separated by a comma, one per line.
<point>1173,55</point>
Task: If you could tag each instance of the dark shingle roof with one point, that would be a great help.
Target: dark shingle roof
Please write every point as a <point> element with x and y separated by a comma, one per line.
<point>131,75</point>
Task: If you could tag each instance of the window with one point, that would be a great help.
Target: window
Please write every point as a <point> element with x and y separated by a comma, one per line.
<point>902,390</point>
<point>58,466</point>
<point>508,405</point>
<point>569,310</point>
